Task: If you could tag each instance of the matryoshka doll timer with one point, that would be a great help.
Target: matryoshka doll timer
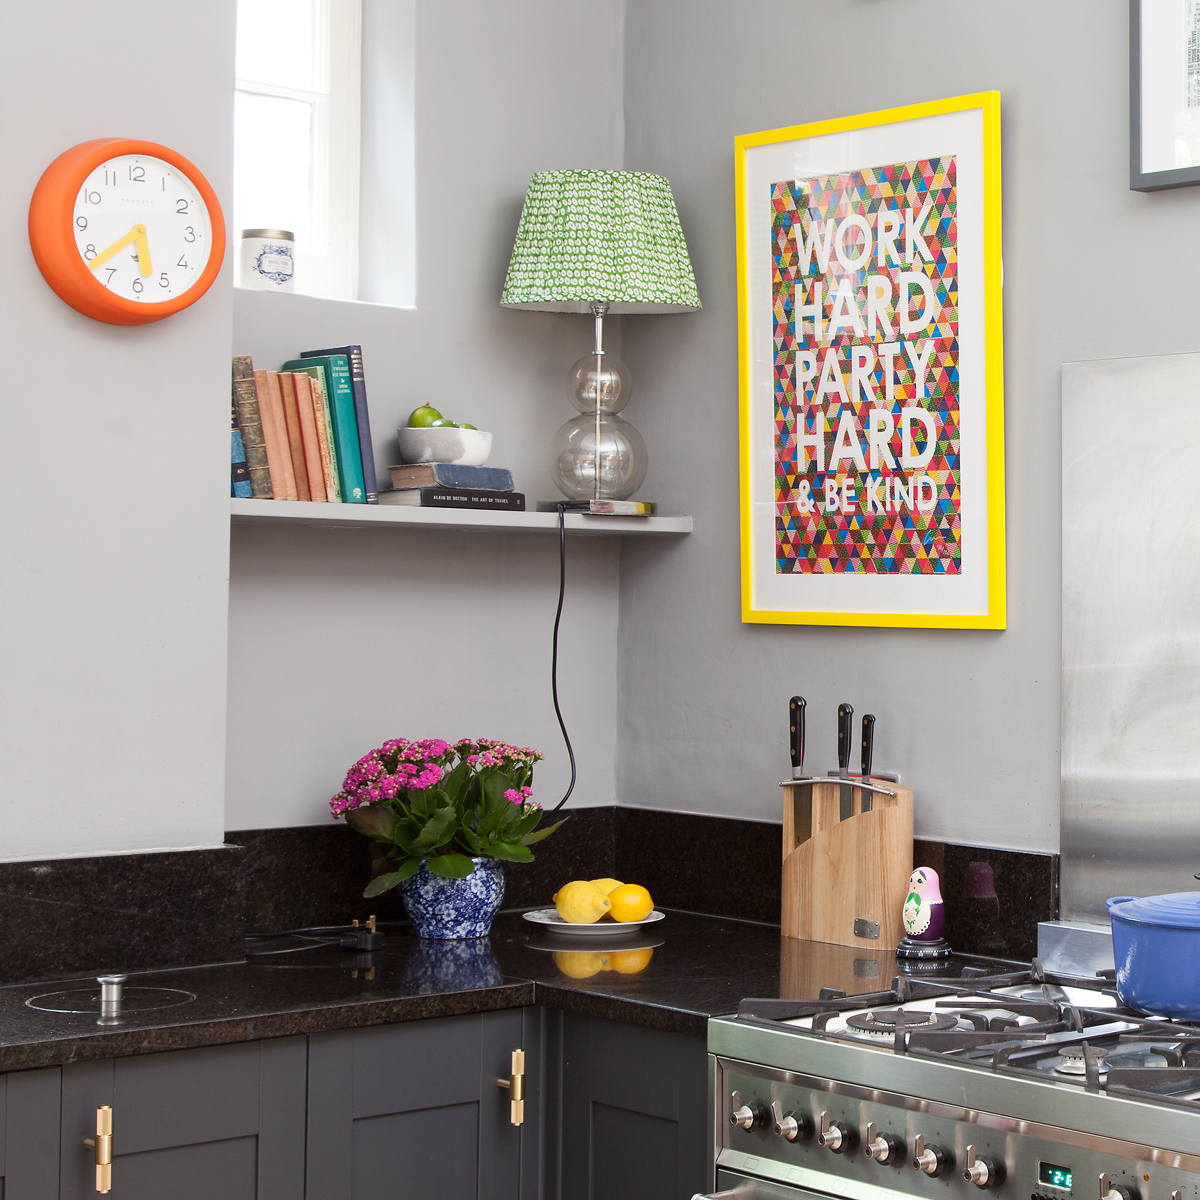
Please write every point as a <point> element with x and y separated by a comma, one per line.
<point>924,918</point>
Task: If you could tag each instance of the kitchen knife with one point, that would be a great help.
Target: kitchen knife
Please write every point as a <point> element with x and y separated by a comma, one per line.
<point>846,794</point>
<point>801,795</point>
<point>868,751</point>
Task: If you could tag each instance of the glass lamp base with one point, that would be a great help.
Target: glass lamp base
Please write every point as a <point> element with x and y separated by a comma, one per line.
<point>622,458</point>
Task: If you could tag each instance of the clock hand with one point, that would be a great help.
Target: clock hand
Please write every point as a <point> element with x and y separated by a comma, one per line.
<point>143,251</point>
<point>133,235</point>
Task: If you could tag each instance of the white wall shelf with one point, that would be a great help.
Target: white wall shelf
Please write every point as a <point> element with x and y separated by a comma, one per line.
<point>364,516</point>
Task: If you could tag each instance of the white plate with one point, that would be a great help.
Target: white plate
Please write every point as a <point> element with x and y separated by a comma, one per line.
<point>548,918</point>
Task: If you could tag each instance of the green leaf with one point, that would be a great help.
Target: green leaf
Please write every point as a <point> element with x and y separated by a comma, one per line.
<point>474,843</point>
<point>375,821</point>
<point>530,838</point>
<point>451,866</point>
<point>402,836</point>
<point>384,883</point>
<point>434,830</point>
<point>511,852</point>
<point>494,787</point>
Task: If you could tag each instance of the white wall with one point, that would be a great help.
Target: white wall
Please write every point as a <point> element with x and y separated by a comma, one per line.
<point>113,460</point>
<point>1092,271</point>
<point>340,639</point>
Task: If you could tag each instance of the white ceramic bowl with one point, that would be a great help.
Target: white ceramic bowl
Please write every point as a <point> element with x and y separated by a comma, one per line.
<point>464,447</point>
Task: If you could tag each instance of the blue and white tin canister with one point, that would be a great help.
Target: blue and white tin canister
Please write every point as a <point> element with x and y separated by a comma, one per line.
<point>268,260</point>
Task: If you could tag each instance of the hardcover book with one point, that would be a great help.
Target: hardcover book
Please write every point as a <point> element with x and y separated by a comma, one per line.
<point>419,475</point>
<point>362,416</point>
<point>270,408</point>
<point>245,401</point>
<point>333,487</point>
<point>240,481</point>
<point>441,497</point>
<point>308,433</point>
<point>291,416</point>
<point>336,376</point>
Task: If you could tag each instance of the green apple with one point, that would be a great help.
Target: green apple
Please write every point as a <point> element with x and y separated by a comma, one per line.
<point>464,425</point>
<point>442,423</point>
<point>424,416</point>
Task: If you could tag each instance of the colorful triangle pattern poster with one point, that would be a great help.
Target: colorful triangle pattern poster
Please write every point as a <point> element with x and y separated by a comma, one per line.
<point>866,381</point>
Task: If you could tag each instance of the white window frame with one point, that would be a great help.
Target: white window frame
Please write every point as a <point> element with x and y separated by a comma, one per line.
<point>329,265</point>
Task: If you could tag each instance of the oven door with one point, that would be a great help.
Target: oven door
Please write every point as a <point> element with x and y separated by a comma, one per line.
<point>733,1186</point>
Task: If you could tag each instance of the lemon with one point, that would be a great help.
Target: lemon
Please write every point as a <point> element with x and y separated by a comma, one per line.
<point>581,964</point>
<point>630,902</point>
<point>419,418</point>
<point>607,885</point>
<point>580,902</point>
<point>630,962</point>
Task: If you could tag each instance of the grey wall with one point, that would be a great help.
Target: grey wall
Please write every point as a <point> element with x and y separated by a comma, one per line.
<point>114,448</point>
<point>340,639</point>
<point>1092,271</point>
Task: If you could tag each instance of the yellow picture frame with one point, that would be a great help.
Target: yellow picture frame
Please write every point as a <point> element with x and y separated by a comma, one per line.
<point>906,125</point>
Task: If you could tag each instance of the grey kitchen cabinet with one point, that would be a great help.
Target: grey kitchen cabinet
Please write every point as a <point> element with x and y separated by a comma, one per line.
<point>414,1110</point>
<point>632,1113</point>
<point>222,1121</point>
<point>29,1115</point>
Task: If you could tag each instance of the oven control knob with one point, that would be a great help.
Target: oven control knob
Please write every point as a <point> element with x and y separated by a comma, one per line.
<point>1108,1192</point>
<point>933,1160</point>
<point>982,1172</point>
<point>838,1138</point>
<point>792,1126</point>
<point>885,1149</point>
<point>745,1116</point>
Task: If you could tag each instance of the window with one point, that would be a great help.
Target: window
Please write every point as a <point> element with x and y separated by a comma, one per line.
<point>296,133</point>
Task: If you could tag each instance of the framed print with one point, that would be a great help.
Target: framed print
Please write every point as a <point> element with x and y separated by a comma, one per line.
<point>871,369</point>
<point>1164,94</point>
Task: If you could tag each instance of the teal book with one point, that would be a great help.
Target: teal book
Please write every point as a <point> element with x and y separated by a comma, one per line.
<point>335,370</point>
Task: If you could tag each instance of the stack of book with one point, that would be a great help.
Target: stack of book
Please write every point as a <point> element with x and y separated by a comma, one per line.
<point>303,432</point>
<point>448,485</point>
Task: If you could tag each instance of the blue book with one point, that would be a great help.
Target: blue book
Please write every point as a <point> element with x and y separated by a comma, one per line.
<point>240,479</point>
<point>358,381</point>
<point>454,475</point>
<point>335,370</point>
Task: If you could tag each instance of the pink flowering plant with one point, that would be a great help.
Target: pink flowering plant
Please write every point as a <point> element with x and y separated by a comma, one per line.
<point>440,804</point>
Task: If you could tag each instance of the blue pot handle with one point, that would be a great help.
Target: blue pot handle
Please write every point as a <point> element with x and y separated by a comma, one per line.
<point>1108,904</point>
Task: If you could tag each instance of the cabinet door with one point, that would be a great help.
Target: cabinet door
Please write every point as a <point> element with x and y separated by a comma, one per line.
<point>223,1121</point>
<point>634,1112</point>
<point>29,1112</point>
<point>414,1110</point>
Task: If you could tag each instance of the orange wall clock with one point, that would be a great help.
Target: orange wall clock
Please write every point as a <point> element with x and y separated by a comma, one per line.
<point>126,231</point>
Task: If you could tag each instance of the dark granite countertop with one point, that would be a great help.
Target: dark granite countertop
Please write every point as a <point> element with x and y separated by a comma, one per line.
<point>685,969</point>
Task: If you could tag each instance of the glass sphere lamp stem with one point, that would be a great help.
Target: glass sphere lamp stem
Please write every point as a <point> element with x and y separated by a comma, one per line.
<point>599,308</point>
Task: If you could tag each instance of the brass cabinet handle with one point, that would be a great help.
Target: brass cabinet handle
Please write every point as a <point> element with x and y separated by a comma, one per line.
<point>516,1088</point>
<point>102,1145</point>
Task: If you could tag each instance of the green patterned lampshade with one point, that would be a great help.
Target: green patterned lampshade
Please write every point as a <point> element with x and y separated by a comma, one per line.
<point>609,237</point>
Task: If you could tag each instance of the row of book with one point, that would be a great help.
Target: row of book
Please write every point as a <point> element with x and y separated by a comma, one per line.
<point>303,432</point>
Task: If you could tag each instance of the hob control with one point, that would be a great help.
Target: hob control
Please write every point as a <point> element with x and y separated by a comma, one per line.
<point>933,1160</point>
<point>1108,1192</point>
<point>792,1126</point>
<point>835,1137</point>
<point>982,1172</point>
<point>886,1150</point>
<point>746,1116</point>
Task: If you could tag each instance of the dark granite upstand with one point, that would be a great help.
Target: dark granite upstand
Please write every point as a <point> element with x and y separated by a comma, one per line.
<point>697,967</point>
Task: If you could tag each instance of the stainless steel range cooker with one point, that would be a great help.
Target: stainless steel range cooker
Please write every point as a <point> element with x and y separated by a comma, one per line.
<point>1014,1085</point>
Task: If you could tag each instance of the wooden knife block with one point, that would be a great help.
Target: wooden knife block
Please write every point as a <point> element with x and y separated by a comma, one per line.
<point>843,876</point>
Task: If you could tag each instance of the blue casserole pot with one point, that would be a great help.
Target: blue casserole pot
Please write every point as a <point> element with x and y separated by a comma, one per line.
<point>1156,945</point>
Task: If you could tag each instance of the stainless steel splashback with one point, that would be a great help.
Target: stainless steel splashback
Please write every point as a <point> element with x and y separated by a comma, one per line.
<point>1130,795</point>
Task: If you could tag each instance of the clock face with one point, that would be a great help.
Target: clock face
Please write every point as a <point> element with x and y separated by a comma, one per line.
<point>142,228</point>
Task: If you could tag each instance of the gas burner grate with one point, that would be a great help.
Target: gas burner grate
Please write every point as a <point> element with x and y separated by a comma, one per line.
<point>891,1020</point>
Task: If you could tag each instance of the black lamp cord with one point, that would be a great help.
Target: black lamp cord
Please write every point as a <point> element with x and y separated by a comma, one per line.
<point>562,587</point>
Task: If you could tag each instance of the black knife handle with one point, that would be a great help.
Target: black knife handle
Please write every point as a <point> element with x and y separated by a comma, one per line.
<point>868,746</point>
<point>845,716</point>
<point>796,727</point>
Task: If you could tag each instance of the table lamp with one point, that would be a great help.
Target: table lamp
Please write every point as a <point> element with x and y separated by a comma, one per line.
<point>599,242</point>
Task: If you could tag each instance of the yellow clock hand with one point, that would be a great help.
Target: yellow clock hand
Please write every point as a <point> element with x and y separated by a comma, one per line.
<point>138,231</point>
<point>143,251</point>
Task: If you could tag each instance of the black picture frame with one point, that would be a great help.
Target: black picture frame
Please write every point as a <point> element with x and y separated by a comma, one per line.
<point>1139,180</point>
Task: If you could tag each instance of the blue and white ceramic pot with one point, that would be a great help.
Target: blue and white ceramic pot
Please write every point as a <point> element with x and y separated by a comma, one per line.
<point>454,908</point>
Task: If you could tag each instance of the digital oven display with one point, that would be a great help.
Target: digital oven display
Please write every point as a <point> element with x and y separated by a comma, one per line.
<point>1056,1177</point>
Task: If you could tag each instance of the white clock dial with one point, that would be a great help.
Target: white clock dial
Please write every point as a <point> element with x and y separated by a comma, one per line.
<point>142,228</point>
